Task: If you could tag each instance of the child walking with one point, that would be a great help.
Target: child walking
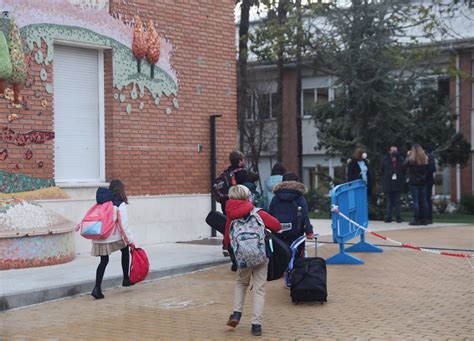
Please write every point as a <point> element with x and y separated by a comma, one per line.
<point>245,232</point>
<point>289,206</point>
<point>116,241</point>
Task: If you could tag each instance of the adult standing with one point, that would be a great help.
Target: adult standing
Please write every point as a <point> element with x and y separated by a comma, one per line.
<point>429,187</point>
<point>417,165</point>
<point>276,177</point>
<point>358,168</point>
<point>393,177</point>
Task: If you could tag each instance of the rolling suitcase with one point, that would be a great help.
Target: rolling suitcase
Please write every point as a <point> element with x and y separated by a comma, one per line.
<point>308,277</point>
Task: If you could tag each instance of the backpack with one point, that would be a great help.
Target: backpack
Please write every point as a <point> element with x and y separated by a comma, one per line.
<point>291,219</point>
<point>247,238</point>
<point>98,223</point>
<point>140,265</point>
<point>223,182</point>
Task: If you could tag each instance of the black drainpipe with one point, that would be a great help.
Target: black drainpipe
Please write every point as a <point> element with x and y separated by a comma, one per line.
<point>213,163</point>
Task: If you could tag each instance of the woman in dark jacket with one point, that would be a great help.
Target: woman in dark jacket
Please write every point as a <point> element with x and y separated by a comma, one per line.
<point>358,168</point>
<point>417,166</point>
<point>393,177</point>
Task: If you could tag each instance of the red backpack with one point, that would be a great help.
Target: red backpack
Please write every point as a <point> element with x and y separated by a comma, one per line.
<point>140,265</point>
<point>98,222</point>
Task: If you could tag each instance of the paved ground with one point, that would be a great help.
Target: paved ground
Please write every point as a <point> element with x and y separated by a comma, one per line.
<point>401,294</point>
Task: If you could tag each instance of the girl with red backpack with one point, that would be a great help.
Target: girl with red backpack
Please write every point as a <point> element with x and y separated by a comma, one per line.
<point>120,239</point>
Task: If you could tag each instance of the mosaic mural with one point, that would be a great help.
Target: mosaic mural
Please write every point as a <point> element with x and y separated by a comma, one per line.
<point>45,22</point>
<point>13,183</point>
<point>141,60</point>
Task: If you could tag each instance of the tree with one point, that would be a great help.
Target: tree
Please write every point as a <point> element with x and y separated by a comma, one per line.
<point>374,50</point>
<point>242,93</point>
<point>19,67</point>
<point>139,44</point>
<point>5,63</point>
<point>259,133</point>
<point>153,47</point>
<point>281,38</point>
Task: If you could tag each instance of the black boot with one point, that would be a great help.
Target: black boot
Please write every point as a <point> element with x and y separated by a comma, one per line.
<point>256,329</point>
<point>126,282</point>
<point>234,319</point>
<point>97,293</point>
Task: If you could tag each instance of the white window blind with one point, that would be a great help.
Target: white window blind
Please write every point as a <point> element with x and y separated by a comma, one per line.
<point>77,115</point>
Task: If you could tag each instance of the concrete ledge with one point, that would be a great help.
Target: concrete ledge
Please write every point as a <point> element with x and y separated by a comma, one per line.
<point>26,298</point>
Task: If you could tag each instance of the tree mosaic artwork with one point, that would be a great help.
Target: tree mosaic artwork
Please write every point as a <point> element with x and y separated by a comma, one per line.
<point>60,20</point>
<point>141,63</point>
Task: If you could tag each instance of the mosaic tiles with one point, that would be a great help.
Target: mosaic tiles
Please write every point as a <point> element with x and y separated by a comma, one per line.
<point>12,182</point>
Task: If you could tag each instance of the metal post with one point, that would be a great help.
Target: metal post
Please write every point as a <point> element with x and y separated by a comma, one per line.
<point>213,162</point>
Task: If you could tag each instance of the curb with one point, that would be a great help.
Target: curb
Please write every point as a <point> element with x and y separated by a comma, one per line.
<point>26,298</point>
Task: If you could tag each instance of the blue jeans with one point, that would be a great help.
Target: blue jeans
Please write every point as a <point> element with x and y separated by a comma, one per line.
<point>393,201</point>
<point>420,205</point>
<point>429,202</point>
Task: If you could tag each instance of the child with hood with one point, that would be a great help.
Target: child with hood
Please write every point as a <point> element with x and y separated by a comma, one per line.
<point>288,200</point>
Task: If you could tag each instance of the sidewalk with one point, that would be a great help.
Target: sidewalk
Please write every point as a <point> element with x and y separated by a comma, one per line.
<point>21,287</point>
<point>400,294</point>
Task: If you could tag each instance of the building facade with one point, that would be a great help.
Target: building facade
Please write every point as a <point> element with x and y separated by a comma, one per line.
<point>121,89</point>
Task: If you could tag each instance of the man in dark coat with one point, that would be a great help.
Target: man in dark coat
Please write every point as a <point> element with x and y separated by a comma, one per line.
<point>393,176</point>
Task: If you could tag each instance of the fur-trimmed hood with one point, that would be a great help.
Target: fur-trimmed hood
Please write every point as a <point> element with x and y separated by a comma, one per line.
<point>290,186</point>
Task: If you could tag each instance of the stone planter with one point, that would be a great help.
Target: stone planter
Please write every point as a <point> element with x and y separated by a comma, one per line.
<point>32,248</point>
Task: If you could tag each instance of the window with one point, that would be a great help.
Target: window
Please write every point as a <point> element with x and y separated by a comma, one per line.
<point>78,115</point>
<point>308,101</point>
<point>262,106</point>
<point>315,96</point>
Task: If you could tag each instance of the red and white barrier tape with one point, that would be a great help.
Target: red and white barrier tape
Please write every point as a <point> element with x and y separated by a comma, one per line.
<point>408,246</point>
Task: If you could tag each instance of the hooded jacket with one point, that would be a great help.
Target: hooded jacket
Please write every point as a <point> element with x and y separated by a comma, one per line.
<point>290,191</point>
<point>236,209</point>
<point>104,195</point>
<point>268,190</point>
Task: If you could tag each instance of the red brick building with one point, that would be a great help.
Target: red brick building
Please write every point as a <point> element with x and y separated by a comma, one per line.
<point>154,149</point>
<point>87,114</point>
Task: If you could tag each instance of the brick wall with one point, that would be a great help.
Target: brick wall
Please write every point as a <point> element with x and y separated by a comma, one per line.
<point>152,152</point>
<point>157,153</point>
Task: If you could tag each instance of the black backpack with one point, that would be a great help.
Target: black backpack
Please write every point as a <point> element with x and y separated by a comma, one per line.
<point>220,187</point>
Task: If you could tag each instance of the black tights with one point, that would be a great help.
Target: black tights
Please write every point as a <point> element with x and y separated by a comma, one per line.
<point>104,260</point>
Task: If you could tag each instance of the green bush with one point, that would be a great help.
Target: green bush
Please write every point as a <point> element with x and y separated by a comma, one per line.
<point>318,201</point>
<point>467,203</point>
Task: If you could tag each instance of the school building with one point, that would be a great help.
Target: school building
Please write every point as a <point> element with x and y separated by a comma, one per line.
<point>120,89</point>
<point>316,87</point>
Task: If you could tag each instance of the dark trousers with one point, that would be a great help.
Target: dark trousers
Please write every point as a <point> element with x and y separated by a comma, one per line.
<point>393,202</point>
<point>420,205</point>
<point>429,202</point>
